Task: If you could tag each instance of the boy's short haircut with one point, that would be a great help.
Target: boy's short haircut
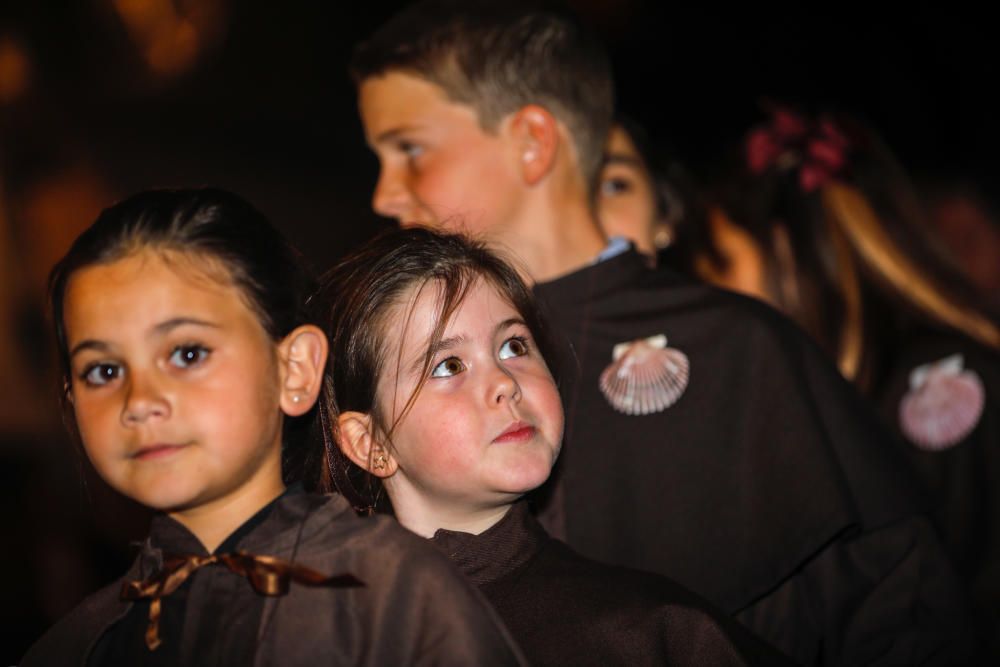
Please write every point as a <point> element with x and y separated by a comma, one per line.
<point>498,56</point>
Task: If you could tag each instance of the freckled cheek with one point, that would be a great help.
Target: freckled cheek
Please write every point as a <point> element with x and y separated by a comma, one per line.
<point>549,406</point>
<point>444,444</point>
<point>556,418</point>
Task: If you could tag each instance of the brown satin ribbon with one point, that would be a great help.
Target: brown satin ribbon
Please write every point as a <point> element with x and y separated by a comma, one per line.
<point>268,575</point>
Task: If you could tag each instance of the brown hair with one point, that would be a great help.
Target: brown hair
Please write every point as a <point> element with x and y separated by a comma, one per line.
<point>850,257</point>
<point>498,57</point>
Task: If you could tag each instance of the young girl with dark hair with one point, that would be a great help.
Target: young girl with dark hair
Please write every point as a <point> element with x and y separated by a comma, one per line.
<point>645,196</point>
<point>189,366</point>
<point>442,395</point>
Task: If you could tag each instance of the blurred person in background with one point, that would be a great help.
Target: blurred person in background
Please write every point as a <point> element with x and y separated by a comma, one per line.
<point>968,224</point>
<point>821,222</point>
<point>643,194</point>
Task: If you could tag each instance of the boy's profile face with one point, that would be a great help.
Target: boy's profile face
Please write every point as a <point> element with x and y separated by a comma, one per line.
<point>437,166</point>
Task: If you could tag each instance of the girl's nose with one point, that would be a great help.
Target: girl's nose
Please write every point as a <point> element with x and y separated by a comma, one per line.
<point>143,402</point>
<point>505,387</point>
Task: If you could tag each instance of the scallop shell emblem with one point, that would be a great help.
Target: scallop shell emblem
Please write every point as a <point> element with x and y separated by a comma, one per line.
<point>645,376</point>
<point>943,405</point>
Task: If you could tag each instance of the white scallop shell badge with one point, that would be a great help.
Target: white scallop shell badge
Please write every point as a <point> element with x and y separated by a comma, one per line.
<point>645,376</point>
<point>943,405</point>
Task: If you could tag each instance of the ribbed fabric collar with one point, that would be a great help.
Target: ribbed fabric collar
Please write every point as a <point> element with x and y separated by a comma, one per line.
<point>499,550</point>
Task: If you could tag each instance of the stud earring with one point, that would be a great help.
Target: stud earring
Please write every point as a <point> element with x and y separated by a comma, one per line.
<point>296,398</point>
<point>663,236</point>
<point>380,462</point>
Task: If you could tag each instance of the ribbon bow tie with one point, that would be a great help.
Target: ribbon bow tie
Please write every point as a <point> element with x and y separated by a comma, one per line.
<point>268,575</point>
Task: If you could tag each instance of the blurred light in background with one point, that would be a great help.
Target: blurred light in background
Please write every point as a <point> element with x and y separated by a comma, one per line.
<point>172,36</point>
<point>15,69</point>
<point>52,213</point>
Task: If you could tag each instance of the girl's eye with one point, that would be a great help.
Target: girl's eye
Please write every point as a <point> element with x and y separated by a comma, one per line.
<point>447,368</point>
<point>514,347</point>
<point>100,374</point>
<point>185,356</point>
<point>614,186</point>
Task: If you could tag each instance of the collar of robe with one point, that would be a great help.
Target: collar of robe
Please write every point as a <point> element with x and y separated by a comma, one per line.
<point>268,575</point>
<point>504,547</point>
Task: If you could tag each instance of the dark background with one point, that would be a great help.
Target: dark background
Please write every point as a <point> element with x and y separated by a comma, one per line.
<point>264,107</point>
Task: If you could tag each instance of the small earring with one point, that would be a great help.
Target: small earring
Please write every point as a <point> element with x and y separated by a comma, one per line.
<point>296,398</point>
<point>380,462</point>
<point>529,156</point>
<point>663,236</point>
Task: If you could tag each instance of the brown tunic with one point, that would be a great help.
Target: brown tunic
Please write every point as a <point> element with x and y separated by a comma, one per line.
<point>769,487</point>
<point>964,479</point>
<point>564,609</point>
<point>412,609</point>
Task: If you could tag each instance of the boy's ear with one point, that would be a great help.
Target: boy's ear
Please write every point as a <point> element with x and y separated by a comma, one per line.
<point>302,359</point>
<point>536,137</point>
<point>356,438</point>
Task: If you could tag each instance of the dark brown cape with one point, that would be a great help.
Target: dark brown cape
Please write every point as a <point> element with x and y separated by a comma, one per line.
<point>412,609</point>
<point>964,479</point>
<point>564,609</point>
<point>770,488</point>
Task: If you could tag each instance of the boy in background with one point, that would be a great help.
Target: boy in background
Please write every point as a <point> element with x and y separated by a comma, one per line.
<point>706,439</point>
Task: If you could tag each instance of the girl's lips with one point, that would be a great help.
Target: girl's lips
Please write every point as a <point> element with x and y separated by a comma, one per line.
<point>154,452</point>
<point>516,432</point>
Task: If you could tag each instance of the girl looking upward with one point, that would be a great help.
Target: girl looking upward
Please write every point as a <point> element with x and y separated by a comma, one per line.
<point>442,396</point>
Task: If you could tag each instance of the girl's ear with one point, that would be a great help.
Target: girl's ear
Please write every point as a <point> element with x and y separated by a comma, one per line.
<point>302,359</point>
<point>535,132</point>
<point>356,438</point>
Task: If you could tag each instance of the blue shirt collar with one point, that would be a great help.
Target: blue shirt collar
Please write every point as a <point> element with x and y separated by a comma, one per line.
<point>616,246</point>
